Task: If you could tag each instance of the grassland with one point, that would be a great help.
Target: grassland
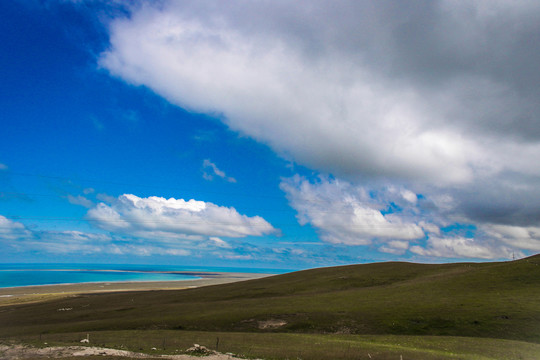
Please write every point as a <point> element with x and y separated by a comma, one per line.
<point>418,311</point>
<point>301,346</point>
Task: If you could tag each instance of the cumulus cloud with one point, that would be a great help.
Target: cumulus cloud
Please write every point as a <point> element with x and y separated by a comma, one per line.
<point>397,221</point>
<point>460,247</point>
<point>276,77</point>
<point>157,217</point>
<point>327,109</point>
<point>167,232</point>
<point>523,237</point>
<point>441,95</point>
<point>208,165</point>
<point>409,196</point>
<point>12,230</point>
<point>347,214</point>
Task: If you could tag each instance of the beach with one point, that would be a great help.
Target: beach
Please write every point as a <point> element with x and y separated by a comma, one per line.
<point>25,294</point>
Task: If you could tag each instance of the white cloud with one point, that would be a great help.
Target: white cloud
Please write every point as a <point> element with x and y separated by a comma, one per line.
<point>77,242</point>
<point>343,213</point>
<point>395,247</point>
<point>215,171</point>
<point>80,200</point>
<point>105,198</point>
<point>177,252</point>
<point>331,110</point>
<point>148,240</point>
<point>156,217</point>
<point>219,242</point>
<point>144,250</point>
<point>521,237</point>
<point>12,230</point>
<point>409,196</point>
<point>332,113</point>
<point>208,163</point>
<point>16,236</point>
<point>443,97</point>
<point>430,228</point>
<point>237,257</point>
<point>399,244</point>
<point>461,247</point>
<point>3,166</point>
<point>70,242</point>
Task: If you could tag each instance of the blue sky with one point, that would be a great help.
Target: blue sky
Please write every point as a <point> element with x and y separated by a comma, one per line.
<point>257,135</point>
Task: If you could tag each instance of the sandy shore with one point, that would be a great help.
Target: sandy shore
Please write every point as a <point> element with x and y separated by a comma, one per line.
<point>24,294</point>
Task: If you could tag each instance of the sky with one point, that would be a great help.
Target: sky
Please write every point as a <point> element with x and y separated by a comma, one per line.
<point>269,133</point>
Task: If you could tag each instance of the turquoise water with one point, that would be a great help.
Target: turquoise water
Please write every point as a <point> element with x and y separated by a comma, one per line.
<point>12,278</point>
<point>12,275</point>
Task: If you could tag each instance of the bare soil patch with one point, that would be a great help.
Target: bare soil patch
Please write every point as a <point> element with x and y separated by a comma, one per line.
<point>271,324</point>
<point>58,352</point>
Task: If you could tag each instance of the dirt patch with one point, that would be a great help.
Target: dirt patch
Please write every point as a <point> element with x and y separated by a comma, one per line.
<point>59,352</point>
<point>271,324</point>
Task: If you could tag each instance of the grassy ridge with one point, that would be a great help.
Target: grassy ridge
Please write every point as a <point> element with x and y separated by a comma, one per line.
<point>490,300</point>
<point>302,346</point>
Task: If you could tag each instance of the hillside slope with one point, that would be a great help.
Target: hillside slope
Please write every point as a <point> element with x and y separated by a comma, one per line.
<point>497,300</point>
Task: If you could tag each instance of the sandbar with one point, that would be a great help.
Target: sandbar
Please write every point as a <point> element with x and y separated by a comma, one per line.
<point>25,294</point>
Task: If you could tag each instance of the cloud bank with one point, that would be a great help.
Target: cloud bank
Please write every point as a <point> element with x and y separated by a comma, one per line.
<point>347,214</point>
<point>441,96</point>
<point>370,74</point>
<point>16,237</point>
<point>395,220</point>
<point>157,217</point>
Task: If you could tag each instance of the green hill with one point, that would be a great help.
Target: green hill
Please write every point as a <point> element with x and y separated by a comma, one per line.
<point>485,300</point>
<point>499,300</point>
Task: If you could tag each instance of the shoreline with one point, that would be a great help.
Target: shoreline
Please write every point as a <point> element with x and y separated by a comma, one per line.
<point>35,293</point>
<point>176,272</point>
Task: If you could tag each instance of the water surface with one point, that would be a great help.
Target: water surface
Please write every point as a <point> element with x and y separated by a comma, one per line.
<point>12,275</point>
